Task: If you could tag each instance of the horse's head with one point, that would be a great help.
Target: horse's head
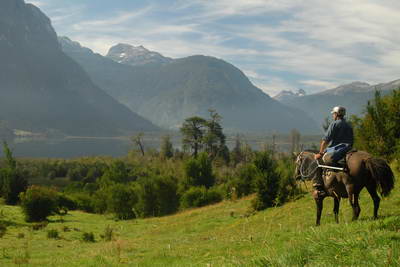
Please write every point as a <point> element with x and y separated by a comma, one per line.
<point>305,165</point>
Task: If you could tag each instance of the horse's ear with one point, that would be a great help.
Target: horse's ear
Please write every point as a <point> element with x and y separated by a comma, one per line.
<point>294,155</point>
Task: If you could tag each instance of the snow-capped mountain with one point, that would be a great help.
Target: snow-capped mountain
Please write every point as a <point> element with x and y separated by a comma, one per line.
<point>286,95</point>
<point>135,55</point>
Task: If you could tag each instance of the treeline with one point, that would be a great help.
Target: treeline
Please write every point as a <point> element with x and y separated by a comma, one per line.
<point>378,131</point>
<point>159,183</point>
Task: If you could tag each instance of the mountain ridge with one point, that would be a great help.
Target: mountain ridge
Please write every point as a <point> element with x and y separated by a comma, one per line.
<point>44,89</point>
<point>166,94</point>
<point>354,96</point>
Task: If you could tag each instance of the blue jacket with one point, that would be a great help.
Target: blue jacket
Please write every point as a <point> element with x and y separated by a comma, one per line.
<point>339,132</point>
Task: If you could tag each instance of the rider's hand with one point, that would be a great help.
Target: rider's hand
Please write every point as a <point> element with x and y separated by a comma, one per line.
<point>317,156</point>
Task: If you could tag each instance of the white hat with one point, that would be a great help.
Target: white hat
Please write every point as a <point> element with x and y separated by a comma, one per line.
<point>341,111</point>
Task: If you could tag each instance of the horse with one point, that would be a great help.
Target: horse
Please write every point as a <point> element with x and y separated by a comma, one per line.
<point>361,170</point>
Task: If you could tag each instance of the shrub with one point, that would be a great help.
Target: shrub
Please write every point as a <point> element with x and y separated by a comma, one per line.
<point>83,201</point>
<point>88,237</point>
<point>65,203</point>
<point>121,199</point>
<point>157,196</point>
<point>242,184</point>
<point>3,229</point>
<point>53,234</point>
<point>12,181</point>
<point>266,181</point>
<point>39,226</point>
<point>108,233</point>
<point>198,171</point>
<point>288,189</point>
<point>199,197</point>
<point>38,203</point>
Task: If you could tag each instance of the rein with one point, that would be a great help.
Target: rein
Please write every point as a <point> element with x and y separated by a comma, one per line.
<point>308,171</point>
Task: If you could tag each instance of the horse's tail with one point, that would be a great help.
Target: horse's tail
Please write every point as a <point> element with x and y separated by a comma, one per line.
<point>380,171</point>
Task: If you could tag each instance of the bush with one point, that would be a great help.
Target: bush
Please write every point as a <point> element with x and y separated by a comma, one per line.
<point>88,237</point>
<point>288,189</point>
<point>108,233</point>
<point>266,181</point>
<point>3,229</point>
<point>198,172</point>
<point>53,234</point>
<point>199,197</point>
<point>242,184</point>
<point>38,203</point>
<point>157,196</point>
<point>83,201</point>
<point>121,200</point>
<point>65,203</point>
<point>12,181</point>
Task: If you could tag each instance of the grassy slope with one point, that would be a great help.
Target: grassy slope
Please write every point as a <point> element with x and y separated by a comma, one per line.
<point>218,235</point>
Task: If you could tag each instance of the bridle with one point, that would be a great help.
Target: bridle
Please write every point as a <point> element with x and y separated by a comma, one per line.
<point>305,172</point>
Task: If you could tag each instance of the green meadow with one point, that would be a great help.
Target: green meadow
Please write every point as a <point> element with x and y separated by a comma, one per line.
<point>224,234</point>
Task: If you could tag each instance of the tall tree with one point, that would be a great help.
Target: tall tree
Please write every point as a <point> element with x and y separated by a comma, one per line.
<point>214,138</point>
<point>137,140</point>
<point>167,149</point>
<point>12,181</point>
<point>295,140</point>
<point>193,130</point>
<point>379,130</point>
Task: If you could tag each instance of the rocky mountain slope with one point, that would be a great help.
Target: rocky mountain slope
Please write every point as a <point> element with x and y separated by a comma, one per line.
<point>43,89</point>
<point>135,56</point>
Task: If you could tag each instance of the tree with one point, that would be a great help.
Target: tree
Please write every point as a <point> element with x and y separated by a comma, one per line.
<point>214,138</point>
<point>167,149</point>
<point>137,140</point>
<point>198,171</point>
<point>379,130</point>
<point>193,130</point>
<point>295,140</point>
<point>237,153</point>
<point>266,181</point>
<point>12,181</point>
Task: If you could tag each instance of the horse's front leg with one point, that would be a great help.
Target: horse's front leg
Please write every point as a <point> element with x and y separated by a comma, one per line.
<point>336,208</point>
<point>319,202</point>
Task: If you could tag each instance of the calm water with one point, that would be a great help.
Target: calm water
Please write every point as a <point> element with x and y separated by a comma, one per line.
<point>72,148</point>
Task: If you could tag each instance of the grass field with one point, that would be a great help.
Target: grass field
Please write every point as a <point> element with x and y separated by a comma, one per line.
<point>220,235</point>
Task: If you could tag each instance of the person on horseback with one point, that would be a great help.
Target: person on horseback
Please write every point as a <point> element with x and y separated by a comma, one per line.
<point>338,140</point>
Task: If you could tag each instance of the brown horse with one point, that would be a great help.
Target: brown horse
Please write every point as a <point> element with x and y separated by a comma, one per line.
<point>362,170</point>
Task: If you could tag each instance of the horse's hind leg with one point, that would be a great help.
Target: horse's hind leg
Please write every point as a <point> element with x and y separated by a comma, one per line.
<point>336,208</point>
<point>356,207</point>
<point>372,191</point>
<point>353,199</point>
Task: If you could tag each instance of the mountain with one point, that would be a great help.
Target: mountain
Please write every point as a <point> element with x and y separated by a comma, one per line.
<point>43,89</point>
<point>287,95</point>
<point>168,93</point>
<point>354,96</point>
<point>135,55</point>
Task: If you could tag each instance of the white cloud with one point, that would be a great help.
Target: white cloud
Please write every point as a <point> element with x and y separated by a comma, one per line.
<point>322,43</point>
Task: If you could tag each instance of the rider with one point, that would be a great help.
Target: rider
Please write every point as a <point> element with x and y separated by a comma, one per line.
<point>339,137</point>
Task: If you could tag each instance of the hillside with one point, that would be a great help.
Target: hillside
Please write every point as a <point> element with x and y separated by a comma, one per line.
<point>353,96</point>
<point>42,89</point>
<point>218,235</point>
<point>168,93</point>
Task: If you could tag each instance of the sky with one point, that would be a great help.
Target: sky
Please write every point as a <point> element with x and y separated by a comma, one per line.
<point>279,44</point>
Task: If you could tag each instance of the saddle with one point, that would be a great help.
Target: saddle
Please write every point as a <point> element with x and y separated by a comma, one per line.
<point>342,163</point>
